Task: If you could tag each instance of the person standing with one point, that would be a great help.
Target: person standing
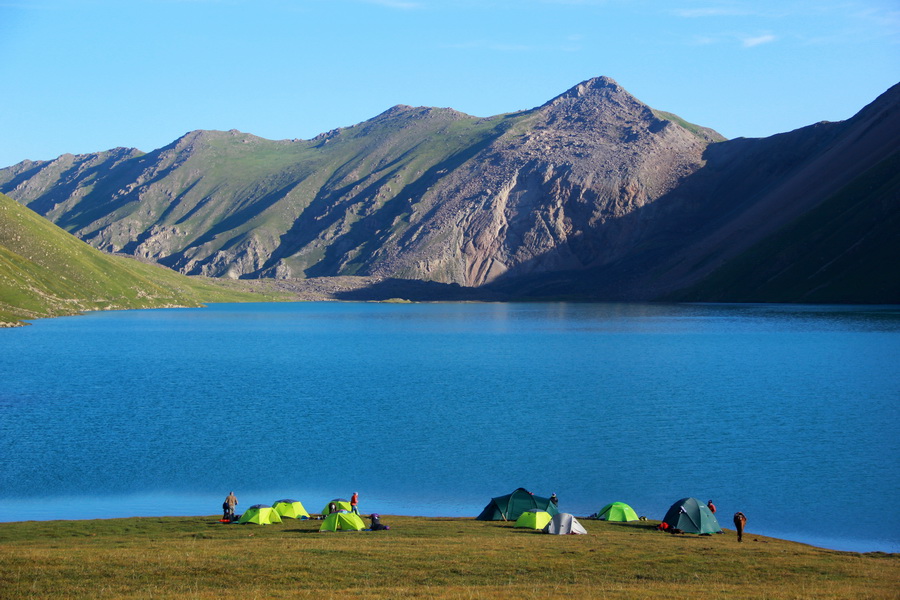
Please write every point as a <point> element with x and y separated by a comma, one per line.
<point>230,502</point>
<point>739,521</point>
<point>354,503</point>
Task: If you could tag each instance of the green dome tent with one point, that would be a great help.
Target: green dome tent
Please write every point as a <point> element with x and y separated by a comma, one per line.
<point>341,503</point>
<point>293,509</point>
<point>511,506</point>
<point>261,514</point>
<point>617,511</point>
<point>691,516</point>
<point>533,519</point>
<point>339,521</point>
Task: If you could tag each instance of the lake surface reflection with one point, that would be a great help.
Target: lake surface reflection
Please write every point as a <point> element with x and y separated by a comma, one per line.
<point>789,414</point>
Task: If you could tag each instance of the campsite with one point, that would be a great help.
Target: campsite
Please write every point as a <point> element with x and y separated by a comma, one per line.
<point>420,557</point>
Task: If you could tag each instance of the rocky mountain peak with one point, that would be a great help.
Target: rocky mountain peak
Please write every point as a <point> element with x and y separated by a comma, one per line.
<point>595,101</point>
<point>595,89</point>
<point>595,85</point>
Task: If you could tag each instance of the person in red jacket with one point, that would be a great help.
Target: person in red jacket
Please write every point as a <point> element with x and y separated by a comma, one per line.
<point>711,506</point>
<point>354,502</point>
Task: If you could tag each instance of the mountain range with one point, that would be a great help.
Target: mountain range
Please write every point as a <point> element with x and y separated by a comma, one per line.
<point>593,195</point>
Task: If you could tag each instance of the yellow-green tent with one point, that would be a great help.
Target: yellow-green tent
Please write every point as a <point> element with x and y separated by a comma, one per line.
<point>293,509</point>
<point>341,503</point>
<point>260,514</point>
<point>617,511</point>
<point>339,521</point>
<point>533,519</point>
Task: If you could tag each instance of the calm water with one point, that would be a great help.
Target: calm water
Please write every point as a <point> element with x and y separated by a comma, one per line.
<point>789,414</point>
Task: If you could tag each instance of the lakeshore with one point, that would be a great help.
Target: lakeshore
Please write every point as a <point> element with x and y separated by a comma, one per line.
<point>419,557</point>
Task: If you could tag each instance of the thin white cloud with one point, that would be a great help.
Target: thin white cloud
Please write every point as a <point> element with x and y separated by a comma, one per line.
<point>732,38</point>
<point>758,40</point>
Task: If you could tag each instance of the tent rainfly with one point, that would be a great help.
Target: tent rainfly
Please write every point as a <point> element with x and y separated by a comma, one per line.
<point>292,509</point>
<point>261,514</point>
<point>533,519</point>
<point>617,511</point>
<point>340,503</point>
<point>340,521</point>
<point>511,506</point>
<point>564,524</point>
<point>691,516</point>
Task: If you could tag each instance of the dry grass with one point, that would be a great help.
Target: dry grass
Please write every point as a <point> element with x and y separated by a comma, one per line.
<point>419,557</point>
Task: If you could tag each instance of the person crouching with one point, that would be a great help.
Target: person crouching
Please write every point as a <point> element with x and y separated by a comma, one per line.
<point>377,525</point>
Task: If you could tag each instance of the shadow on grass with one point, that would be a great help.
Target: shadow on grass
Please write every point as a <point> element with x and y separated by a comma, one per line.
<point>631,525</point>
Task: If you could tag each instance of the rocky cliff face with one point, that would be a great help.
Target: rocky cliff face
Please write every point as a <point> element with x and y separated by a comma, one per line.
<point>593,194</point>
<point>550,193</point>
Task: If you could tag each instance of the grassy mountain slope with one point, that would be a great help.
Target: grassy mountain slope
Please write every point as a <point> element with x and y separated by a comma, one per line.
<point>45,271</point>
<point>232,204</point>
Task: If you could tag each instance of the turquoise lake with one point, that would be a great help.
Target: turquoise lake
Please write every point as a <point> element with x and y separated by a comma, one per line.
<point>790,414</point>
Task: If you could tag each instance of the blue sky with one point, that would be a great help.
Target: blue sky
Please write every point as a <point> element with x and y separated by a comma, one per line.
<point>89,75</point>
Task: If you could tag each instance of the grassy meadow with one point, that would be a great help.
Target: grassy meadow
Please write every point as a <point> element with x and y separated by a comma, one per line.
<point>420,557</point>
<point>46,272</point>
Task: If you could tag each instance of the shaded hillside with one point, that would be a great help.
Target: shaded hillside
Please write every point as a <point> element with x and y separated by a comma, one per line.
<point>798,217</point>
<point>803,216</point>
<point>45,271</point>
<point>846,250</point>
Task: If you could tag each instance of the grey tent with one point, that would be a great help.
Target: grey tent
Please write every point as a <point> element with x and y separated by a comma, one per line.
<point>564,524</point>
